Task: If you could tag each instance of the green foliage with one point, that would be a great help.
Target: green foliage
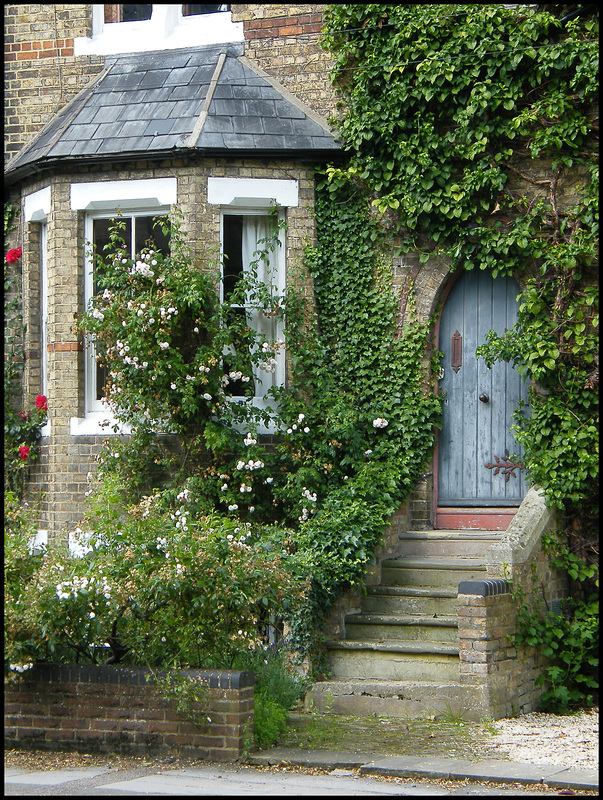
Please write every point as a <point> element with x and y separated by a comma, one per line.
<point>21,565</point>
<point>570,640</point>
<point>151,591</point>
<point>278,689</point>
<point>446,106</point>
<point>465,125</point>
<point>439,98</point>
<point>357,417</point>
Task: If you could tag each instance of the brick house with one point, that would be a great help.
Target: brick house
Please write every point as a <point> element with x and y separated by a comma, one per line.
<point>221,110</point>
<point>217,109</point>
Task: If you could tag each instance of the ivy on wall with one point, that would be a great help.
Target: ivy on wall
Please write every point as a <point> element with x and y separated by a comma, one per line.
<point>473,128</point>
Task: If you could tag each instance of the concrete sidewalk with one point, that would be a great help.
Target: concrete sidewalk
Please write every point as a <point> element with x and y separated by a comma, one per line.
<point>345,774</point>
<point>492,770</point>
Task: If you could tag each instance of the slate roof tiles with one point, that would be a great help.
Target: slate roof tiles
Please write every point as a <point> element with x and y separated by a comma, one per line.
<point>206,99</point>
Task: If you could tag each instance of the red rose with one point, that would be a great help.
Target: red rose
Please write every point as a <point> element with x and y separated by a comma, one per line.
<point>41,403</point>
<point>13,255</point>
<point>24,452</point>
<point>23,415</point>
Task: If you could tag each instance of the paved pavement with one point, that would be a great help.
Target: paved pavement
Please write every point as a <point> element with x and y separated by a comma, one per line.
<point>345,774</point>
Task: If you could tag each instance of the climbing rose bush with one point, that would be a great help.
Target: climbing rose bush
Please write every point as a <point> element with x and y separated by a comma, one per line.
<point>22,432</point>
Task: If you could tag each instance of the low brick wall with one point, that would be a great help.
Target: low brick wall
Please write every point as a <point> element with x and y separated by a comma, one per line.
<point>112,709</point>
<point>503,676</point>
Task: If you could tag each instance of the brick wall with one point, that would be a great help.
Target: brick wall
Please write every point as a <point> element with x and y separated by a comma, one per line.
<point>41,73</point>
<point>111,709</point>
<point>488,659</point>
<point>66,459</point>
<point>487,613</point>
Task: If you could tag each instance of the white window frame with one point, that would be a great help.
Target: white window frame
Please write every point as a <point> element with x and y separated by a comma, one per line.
<point>260,377</point>
<point>167,29</point>
<point>151,197</point>
<point>258,197</point>
<point>37,209</point>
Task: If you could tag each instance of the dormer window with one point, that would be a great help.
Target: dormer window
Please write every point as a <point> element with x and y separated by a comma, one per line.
<point>140,27</point>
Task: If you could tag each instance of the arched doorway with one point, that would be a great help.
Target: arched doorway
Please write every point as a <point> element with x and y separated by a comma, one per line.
<point>479,479</point>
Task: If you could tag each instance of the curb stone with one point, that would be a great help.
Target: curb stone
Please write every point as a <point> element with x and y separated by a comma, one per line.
<point>435,768</point>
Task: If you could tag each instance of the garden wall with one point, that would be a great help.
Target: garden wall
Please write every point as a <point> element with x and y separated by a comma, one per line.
<point>112,709</point>
<point>504,676</point>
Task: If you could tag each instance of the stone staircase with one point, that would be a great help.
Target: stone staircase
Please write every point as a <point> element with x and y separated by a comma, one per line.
<point>400,652</point>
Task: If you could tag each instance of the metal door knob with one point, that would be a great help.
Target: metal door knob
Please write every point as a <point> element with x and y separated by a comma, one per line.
<point>484,398</point>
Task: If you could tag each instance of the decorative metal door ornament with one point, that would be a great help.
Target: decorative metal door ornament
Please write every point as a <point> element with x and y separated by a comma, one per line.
<point>505,465</point>
<point>456,351</point>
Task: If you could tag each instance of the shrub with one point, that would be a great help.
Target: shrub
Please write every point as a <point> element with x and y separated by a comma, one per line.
<point>146,592</point>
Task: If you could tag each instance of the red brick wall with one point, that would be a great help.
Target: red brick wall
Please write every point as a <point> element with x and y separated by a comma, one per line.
<point>112,709</point>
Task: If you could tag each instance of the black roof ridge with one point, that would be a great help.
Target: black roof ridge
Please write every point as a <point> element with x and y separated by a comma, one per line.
<point>62,115</point>
<point>286,94</point>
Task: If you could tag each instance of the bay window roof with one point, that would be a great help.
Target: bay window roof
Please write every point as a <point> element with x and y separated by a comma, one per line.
<point>207,100</point>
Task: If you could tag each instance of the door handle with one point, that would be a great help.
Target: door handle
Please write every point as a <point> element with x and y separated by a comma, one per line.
<point>484,398</point>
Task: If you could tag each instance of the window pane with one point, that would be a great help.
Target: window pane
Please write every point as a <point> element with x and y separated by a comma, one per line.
<point>127,12</point>
<point>233,253</point>
<point>149,234</point>
<point>192,9</point>
<point>100,238</point>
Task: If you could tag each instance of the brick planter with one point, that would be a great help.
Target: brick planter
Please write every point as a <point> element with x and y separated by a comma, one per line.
<point>112,709</point>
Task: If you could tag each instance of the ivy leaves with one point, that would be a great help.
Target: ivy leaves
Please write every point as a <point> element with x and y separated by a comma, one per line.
<point>438,99</point>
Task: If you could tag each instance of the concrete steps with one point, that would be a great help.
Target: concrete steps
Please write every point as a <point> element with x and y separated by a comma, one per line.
<point>430,572</point>
<point>447,543</point>
<point>400,653</point>
<point>407,698</point>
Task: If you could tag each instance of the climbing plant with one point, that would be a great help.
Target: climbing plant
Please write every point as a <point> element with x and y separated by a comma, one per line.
<point>474,130</point>
<point>466,123</point>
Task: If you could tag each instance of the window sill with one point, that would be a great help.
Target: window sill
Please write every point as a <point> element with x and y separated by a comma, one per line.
<point>97,423</point>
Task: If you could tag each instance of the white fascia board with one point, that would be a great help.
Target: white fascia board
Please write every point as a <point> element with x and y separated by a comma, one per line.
<point>107,195</point>
<point>252,192</point>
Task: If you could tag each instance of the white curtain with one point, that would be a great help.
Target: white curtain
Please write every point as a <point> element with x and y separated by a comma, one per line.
<point>265,263</point>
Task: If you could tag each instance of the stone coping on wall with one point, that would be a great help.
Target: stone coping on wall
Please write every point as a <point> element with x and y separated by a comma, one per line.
<point>522,539</point>
<point>136,676</point>
<point>485,588</point>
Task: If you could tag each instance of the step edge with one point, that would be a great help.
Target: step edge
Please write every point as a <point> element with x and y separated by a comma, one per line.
<point>435,562</point>
<point>395,646</point>
<point>411,591</point>
<point>364,618</point>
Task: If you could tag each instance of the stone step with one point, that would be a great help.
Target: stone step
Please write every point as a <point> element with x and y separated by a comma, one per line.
<point>409,600</point>
<point>447,543</point>
<point>408,698</point>
<point>430,572</point>
<point>393,660</point>
<point>417,628</point>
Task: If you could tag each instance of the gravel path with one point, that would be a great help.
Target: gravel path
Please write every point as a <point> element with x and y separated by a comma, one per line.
<point>536,738</point>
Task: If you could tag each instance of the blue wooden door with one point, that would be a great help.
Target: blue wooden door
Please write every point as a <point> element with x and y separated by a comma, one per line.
<point>477,454</point>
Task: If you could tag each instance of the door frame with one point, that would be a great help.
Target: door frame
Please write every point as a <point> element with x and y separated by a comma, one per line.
<point>496,518</point>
